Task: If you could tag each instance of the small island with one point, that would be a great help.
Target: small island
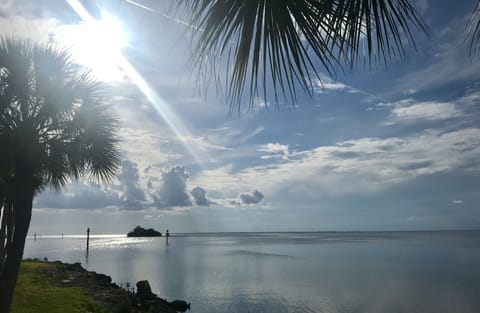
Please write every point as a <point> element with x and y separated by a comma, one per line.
<point>142,232</point>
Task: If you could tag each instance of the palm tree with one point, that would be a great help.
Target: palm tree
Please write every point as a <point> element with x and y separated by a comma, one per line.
<point>55,126</point>
<point>282,44</point>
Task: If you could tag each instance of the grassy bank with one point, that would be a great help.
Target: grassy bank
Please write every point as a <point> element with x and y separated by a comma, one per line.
<point>56,287</point>
<point>37,292</point>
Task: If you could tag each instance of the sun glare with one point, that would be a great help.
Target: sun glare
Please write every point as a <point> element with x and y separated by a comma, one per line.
<point>97,45</point>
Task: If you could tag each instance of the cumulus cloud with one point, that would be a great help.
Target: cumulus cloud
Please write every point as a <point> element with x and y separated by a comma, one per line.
<point>78,196</point>
<point>126,193</point>
<point>132,194</point>
<point>200,196</point>
<point>173,191</point>
<point>135,189</point>
<point>457,201</point>
<point>251,198</point>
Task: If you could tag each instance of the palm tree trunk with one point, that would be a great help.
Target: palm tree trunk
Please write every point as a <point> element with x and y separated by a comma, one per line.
<point>22,208</point>
<point>5,231</point>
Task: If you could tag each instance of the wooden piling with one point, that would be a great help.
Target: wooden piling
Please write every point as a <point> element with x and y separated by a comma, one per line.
<point>88,238</point>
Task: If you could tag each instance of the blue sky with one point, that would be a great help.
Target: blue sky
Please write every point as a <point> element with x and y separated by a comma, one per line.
<point>384,148</point>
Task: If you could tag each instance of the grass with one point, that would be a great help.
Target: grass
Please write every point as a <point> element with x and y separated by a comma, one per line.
<point>36,293</point>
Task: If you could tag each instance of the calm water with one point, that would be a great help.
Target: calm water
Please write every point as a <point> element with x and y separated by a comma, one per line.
<point>291,272</point>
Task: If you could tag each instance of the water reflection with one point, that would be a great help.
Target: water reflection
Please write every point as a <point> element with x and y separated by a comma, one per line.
<point>299,272</point>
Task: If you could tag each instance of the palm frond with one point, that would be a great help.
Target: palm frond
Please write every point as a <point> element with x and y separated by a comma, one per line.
<point>15,56</point>
<point>285,41</point>
<point>474,31</point>
<point>53,117</point>
<point>96,143</point>
<point>56,168</point>
<point>104,160</point>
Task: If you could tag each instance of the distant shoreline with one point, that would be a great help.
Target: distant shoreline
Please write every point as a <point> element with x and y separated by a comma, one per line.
<point>253,233</point>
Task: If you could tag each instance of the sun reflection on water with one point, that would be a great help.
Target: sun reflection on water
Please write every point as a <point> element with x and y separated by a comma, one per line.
<point>119,242</point>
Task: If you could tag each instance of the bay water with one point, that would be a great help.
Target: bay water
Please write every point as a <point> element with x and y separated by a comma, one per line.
<point>325,272</point>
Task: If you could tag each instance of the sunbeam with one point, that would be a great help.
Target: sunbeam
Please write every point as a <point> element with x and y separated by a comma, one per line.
<point>161,106</point>
<point>140,5</point>
<point>165,16</point>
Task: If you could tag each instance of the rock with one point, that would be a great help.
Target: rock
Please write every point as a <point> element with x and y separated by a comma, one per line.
<point>74,266</point>
<point>103,279</point>
<point>180,305</point>
<point>144,292</point>
<point>142,232</point>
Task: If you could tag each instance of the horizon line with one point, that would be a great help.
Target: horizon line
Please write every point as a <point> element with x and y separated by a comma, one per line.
<point>267,232</point>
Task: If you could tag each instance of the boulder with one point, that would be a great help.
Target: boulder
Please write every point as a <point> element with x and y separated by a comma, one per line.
<point>144,292</point>
<point>147,300</point>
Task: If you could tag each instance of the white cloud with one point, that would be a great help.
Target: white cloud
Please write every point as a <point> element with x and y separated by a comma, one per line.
<point>37,29</point>
<point>409,111</point>
<point>273,150</point>
<point>325,85</point>
<point>253,197</point>
<point>222,182</point>
<point>457,201</point>
<point>259,104</point>
<point>131,194</point>
<point>470,99</point>
<point>78,196</point>
<point>173,192</point>
<point>150,144</point>
<point>355,166</point>
<point>200,196</point>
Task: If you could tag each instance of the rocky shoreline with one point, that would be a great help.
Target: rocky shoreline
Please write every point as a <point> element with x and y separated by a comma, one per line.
<point>108,294</point>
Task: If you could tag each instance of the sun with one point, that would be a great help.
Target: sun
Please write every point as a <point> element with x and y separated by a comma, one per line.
<point>96,44</point>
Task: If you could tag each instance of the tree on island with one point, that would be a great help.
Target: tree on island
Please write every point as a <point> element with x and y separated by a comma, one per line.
<point>139,231</point>
<point>55,126</point>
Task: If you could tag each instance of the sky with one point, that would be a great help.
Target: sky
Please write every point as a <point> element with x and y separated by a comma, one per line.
<point>393,147</point>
